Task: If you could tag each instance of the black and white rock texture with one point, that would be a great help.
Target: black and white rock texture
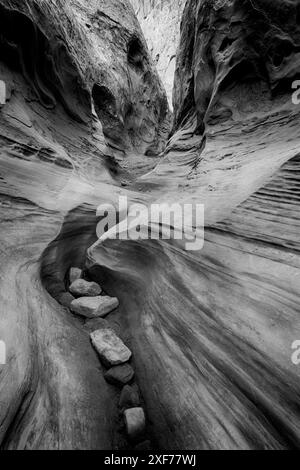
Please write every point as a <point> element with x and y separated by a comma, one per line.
<point>160,22</point>
<point>84,119</point>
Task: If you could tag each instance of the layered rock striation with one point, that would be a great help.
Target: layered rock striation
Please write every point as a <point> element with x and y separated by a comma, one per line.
<point>83,120</point>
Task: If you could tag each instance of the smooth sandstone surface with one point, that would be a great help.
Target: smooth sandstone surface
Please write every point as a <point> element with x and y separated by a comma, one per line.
<point>57,166</point>
<point>212,329</point>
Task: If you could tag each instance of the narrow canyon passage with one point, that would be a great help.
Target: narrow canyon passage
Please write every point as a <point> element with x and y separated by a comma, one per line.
<point>84,120</point>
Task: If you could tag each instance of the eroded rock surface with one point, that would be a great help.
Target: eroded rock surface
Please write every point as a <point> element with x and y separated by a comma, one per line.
<point>229,313</point>
<point>160,22</point>
<point>58,162</point>
<point>85,121</point>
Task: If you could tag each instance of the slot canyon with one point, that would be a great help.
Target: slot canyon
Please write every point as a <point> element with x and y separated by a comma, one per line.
<point>160,102</point>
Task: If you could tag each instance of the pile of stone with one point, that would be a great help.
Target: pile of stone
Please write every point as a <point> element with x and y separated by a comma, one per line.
<point>115,355</point>
<point>87,300</point>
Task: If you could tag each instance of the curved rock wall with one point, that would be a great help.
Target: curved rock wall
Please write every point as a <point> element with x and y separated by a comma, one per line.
<point>56,154</point>
<point>210,331</point>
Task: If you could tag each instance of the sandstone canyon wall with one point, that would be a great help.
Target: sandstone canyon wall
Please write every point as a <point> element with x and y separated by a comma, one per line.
<point>160,22</point>
<point>84,120</point>
<point>57,157</point>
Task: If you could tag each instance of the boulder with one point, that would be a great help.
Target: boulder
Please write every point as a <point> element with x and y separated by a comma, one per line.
<point>75,274</point>
<point>119,375</point>
<point>111,349</point>
<point>135,422</point>
<point>2,92</point>
<point>82,288</point>
<point>129,398</point>
<point>94,307</point>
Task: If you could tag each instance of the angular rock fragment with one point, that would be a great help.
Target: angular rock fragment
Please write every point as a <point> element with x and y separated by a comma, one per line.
<point>135,422</point>
<point>129,398</point>
<point>107,305</point>
<point>93,307</point>
<point>110,347</point>
<point>75,274</point>
<point>2,93</point>
<point>119,375</point>
<point>82,288</point>
<point>97,324</point>
<point>65,299</point>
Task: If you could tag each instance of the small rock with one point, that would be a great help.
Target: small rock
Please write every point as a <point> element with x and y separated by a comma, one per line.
<point>119,375</point>
<point>2,93</point>
<point>110,347</point>
<point>144,446</point>
<point>82,288</point>
<point>93,307</point>
<point>97,324</point>
<point>102,324</point>
<point>135,422</point>
<point>75,274</point>
<point>66,299</point>
<point>129,398</point>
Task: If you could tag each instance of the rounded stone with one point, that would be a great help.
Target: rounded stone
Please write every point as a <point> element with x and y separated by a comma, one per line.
<point>82,288</point>
<point>119,375</point>
<point>129,398</point>
<point>111,349</point>
<point>135,422</point>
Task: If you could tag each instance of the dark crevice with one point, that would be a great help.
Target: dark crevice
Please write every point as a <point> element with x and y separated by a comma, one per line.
<point>136,55</point>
